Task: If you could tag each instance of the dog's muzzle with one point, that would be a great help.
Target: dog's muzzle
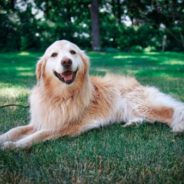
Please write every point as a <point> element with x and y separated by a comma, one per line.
<point>67,76</point>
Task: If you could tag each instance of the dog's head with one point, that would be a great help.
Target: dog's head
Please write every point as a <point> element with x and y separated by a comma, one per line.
<point>63,61</point>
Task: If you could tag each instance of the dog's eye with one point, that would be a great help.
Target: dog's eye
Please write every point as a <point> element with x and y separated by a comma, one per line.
<point>54,54</point>
<point>72,52</point>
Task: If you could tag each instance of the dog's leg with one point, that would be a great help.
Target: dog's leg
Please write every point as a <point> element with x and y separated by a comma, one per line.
<point>28,141</point>
<point>161,107</point>
<point>15,133</point>
<point>72,130</point>
<point>43,135</point>
<point>84,126</point>
<point>134,121</point>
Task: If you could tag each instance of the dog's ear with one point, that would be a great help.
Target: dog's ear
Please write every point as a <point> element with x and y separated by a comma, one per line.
<point>84,57</point>
<point>40,68</point>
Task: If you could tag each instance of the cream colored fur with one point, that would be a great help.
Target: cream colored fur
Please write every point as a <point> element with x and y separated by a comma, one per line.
<point>59,109</point>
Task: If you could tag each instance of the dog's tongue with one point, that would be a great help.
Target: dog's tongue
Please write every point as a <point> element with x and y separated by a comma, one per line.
<point>67,76</point>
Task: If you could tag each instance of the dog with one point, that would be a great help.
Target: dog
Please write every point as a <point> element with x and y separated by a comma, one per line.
<point>66,101</point>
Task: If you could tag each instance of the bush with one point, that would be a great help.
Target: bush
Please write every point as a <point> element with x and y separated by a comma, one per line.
<point>136,48</point>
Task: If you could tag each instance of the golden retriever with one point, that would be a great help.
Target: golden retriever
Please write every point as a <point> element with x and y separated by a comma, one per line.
<point>66,101</point>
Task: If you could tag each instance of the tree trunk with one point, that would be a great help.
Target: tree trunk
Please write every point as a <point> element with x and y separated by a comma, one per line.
<point>119,11</point>
<point>95,25</point>
<point>12,4</point>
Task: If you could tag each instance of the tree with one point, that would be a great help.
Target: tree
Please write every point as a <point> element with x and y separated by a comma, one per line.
<point>95,33</point>
<point>161,22</point>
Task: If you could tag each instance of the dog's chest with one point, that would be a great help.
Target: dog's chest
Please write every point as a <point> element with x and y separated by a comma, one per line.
<point>53,113</point>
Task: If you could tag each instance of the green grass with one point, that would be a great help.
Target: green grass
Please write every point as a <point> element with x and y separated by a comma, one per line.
<point>139,154</point>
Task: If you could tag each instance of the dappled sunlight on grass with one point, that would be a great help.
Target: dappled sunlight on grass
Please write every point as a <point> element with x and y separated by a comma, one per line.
<point>12,94</point>
<point>26,74</point>
<point>103,70</point>
<point>154,57</point>
<point>174,62</point>
<point>23,69</point>
<point>24,53</point>
<point>122,57</point>
<point>159,64</point>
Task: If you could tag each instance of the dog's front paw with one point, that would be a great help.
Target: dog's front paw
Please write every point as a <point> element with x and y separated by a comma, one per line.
<point>9,145</point>
<point>133,122</point>
<point>127,125</point>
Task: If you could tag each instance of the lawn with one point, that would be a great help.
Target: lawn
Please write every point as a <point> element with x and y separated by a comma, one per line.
<point>138,154</point>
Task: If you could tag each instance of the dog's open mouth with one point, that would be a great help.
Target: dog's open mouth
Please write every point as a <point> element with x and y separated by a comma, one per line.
<point>67,76</point>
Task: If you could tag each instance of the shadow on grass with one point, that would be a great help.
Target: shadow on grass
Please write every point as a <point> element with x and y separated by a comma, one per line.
<point>139,65</point>
<point>19,69</point>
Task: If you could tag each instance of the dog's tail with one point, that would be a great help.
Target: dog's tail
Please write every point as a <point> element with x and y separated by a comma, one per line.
<point>177,124</point>
<point>163,100</point>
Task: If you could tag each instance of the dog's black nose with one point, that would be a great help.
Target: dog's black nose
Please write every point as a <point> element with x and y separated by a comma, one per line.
<point>66,62</point>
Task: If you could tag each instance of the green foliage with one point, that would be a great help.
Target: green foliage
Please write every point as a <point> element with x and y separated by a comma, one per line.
<point>139,154</point>
<point>35,24</point>
<point>136,48</point>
